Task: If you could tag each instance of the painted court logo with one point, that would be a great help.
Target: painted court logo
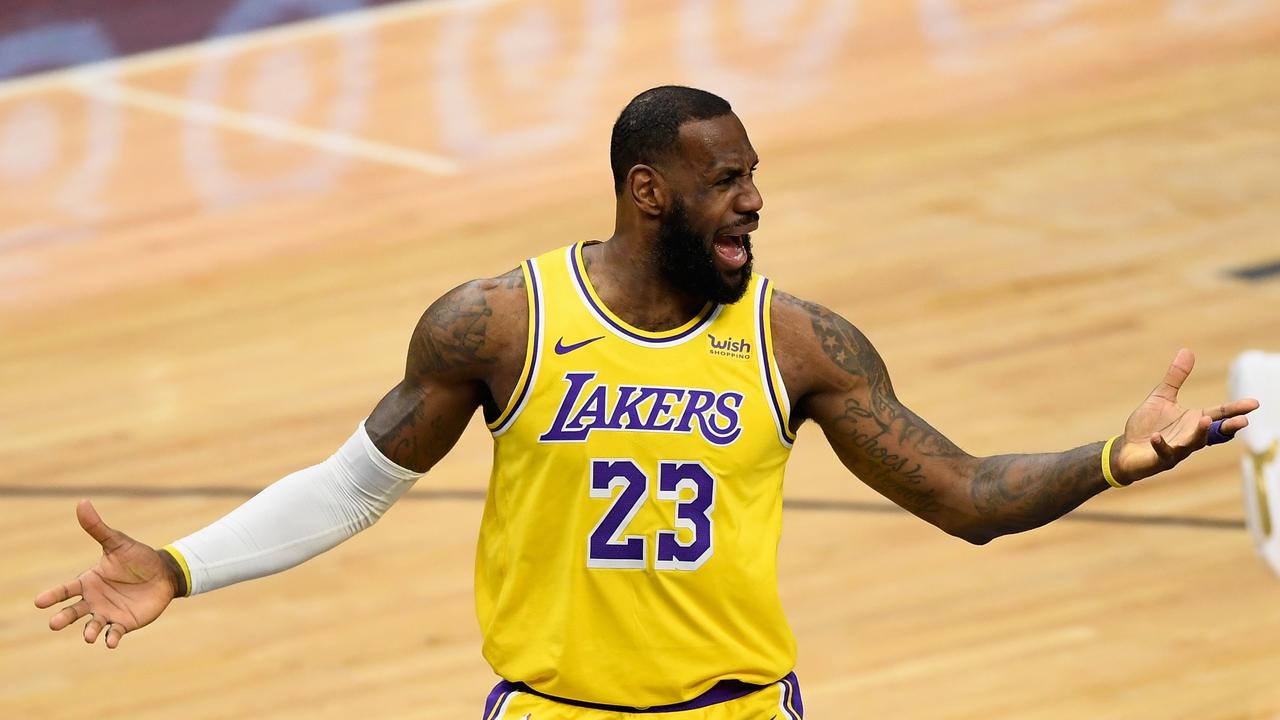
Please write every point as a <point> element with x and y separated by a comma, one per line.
<point>740,349</point>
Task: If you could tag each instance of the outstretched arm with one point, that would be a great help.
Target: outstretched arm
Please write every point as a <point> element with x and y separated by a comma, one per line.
<point>841,382</point>
<point>466,350</point>
<point>460,355</point>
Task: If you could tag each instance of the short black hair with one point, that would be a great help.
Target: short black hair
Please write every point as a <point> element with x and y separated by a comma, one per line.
<point>649,126</point>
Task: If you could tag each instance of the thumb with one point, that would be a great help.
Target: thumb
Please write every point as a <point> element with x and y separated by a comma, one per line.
<point>92,523</point>
<point>1177,374</point>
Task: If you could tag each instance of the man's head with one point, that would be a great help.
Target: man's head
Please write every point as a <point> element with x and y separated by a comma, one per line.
<point>683,163</point>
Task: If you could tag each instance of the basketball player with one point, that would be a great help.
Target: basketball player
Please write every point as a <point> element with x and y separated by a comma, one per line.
<point>643,394</point>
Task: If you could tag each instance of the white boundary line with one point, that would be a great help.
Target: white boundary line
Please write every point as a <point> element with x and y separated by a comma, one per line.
<point>261,126</point>
<point>99,80</point>
<point>231,44</point>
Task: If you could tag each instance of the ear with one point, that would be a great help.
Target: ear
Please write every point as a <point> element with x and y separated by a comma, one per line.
<point>648,190</point>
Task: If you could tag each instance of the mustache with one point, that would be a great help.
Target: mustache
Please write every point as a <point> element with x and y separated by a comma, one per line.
<point>748,219</point>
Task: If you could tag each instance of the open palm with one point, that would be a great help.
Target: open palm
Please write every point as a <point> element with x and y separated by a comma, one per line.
<point>126,590</point>
<point>1161,433</point>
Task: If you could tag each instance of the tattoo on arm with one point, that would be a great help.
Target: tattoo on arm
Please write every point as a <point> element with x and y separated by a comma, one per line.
<point>889,471</point>
<point>451,333</point>
<point>1020,492</point>
<point>449,356</point>
<point>852,352</point>
<point>900,455</point>
<point>892,446</point>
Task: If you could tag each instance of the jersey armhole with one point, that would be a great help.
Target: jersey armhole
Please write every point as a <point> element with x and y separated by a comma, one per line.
<point>770,376</point>
<point>533,349</point>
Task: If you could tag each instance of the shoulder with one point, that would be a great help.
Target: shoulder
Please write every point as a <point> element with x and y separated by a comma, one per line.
<point>817,349</point>
<point>503,293</point>
<point>480,323</point>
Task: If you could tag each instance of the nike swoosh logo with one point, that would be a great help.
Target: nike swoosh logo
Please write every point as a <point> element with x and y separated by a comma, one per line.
<point>562,349</point>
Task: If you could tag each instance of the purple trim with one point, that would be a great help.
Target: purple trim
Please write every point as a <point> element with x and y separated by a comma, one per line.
<point>536,318</point>
<point>723,691</point>
<point>496,696</point>
<point>786,701</point>
<point>792,684</point>
<point>778,415</point>
<point>580,279</point>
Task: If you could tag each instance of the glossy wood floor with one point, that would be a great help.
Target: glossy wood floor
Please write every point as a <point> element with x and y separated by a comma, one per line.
<point>211,260</point>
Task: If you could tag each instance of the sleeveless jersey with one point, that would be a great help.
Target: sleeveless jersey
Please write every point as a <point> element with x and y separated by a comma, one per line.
<point>628,549</point>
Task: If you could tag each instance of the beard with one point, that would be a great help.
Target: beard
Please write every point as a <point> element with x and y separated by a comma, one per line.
<point>687,260</point>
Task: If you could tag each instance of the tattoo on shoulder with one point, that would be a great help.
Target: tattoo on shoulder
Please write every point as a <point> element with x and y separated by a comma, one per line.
<point>452,333</point>
<point>511,280</point>
<point>845,345</point>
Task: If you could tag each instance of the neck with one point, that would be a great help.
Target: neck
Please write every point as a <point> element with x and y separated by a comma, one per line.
<point>625,273</point>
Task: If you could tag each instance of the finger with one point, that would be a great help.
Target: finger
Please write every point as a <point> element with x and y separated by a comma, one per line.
<point>1233,408</point>
<point>93,628</point>
<point>1234,425</point>
<point>55,595</point>
<point>1177,373</point>
<point>114,633</point>
<point>68,615</point>
<point>1200,437</point>
<point>1166,454</point>
<point>98,530</point>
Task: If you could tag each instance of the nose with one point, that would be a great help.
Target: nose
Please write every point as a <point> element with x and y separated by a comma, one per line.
<point>749,201</point>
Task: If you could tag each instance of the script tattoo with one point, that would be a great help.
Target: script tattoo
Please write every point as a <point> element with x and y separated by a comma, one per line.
<point>897,452</point>
<point>879,466</point>
<point>850,350</point>
<point>891,439</point>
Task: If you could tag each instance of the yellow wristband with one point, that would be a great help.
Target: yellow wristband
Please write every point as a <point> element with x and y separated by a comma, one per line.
<point>1106,464</point>
<point>173,552</point>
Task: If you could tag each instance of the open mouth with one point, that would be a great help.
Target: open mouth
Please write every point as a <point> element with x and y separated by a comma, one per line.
<point>731,247</point>
<point>731,250</point>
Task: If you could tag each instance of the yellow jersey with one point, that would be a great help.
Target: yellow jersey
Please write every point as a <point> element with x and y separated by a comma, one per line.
<point>628,549</point>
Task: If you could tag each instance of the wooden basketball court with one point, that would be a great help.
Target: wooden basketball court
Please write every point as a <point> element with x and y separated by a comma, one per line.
<point>211,259</point>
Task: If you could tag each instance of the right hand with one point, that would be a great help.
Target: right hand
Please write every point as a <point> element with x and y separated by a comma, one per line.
<point>128,588</point>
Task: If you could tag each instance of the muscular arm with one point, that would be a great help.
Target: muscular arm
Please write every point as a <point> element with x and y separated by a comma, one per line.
<point>842,384</point>
<point>466,350</point>
<point>458,356</point>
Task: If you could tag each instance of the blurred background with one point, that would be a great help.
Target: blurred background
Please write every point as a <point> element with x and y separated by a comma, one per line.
<point>219,222</point>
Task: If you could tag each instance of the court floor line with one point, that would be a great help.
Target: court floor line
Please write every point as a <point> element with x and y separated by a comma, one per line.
<point>210,48</point>
<point>802,504</point>
<point>1257,271</point>
<point>191,110</point>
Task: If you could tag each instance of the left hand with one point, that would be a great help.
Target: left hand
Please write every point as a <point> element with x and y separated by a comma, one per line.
<point>1161,433</point>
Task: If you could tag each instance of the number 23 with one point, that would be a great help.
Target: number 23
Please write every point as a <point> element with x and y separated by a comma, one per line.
<point>606,548</point>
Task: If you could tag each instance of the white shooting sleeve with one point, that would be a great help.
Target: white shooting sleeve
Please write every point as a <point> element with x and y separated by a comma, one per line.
<point>296,518</point>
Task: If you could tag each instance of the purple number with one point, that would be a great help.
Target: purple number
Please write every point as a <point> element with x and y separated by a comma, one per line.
<point>608,548</point>
<point>694,515</point>
<point>605,549</point>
